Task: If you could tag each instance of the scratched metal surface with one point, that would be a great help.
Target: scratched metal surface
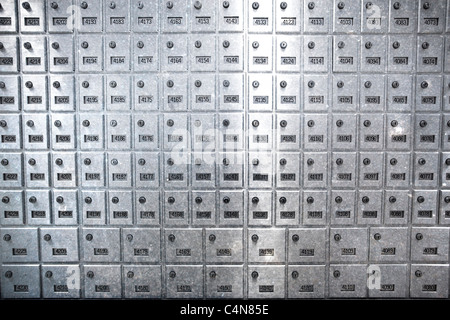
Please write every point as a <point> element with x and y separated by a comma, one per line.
<point>224,149</point>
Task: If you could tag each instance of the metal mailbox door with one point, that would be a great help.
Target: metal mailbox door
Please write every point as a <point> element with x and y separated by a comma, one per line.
<point>10,132</point>
<point>348,245</point>
<point>231,53</point>
<point>260,170</point>
<point>145,52</point>
<point>316,53</point>
<point>147,207</point>
<point>102,282</point>
<point>202,50</point>
<point>393,281</point>
<point>430,49</point>
<point>63,131</point>
<point>19,245</point>
<point>398,169</point>
<point>117,52</point>
<point>373,54</point>
<point>315,127</point>
<point>231,206</point>
<point>347,17</point>
<point>230,16</point>
<point>401,53</point>
<point>429,244</point>
<point>399,97</point>
<point>90,53</point>
<point>146,170</point>
<point>371,170</point>
<point>287,89</point>
<point>141,245</point>
<point>375,16</point>
<point>8,54</point>
<point>34,93</point>
<point>260,208</point>
<point>118,97</point>
<point>224,282</point>
<point>288,208</point>
<point>146,135</point>
<point>174,16</point>
<point>203,208</point>
<point>342,207</point>
<point>118,131</point>
<point>288,54</point>
<point>288,16</point>
<point>315,205</point>
<point>9,93</point>
<point>348,281</point>
<point>174,52</point>
<point>307,245</point>
<point>432,16</point>
<point>59,244</point>
<point>317,16</point>
<point>20,281</point>
<point>142,281</point>
<point>183,246</point>
<point>94,207</point>
<point>61,281</point>
<point>176,208</point>
<point>369,207</point>
<point>428,281</point>
<point>175,93</point>
<point>266,282</point>
<point>306,281</point>
<point>117,16</point>
<point>91,19</point>
<point>176,136</point>
<point>203,170</point>
<point>231,169</point>
<point>8,18</point>
<point>184,282</point>
<point>61,53</point>
<point>11,212</point>
<point>33,53</point>
<point>203,132</point>
<point>260,17</point>
<point>427,132</point>
<point>345,93</point>
<point>145,16</point>
<point>398,131</point>
<point>343,169</point>
<point>202,96</point>
<point>428,93</point>
<point>231,91</point>
<point>100,245</point>
<point>260,132</point>
<point>90,93</point>
<point>92,169</point>
<point>315,170</point>
<point>64,170</point>
<point>260,92</point>
<point>62,93</point>
<point>316,93</point>
<point>65,207</point>
<point>425,165</point>
<point>224,246</point>
<point>119,170</point>
<point>59,16</point>
<point>120,208</point>
<point>146,96</point>
<point>176,170</point>
<point>345,53</point>
<point>266,245</point>
<point>388,245</point>
<point>402,16</point>
<point>344,132</point>
<point>372,96</point>
<point>37,170</point>
<point>424,207</point>
<point>288,170</point>
<point>203,16</point>
<point>396,207</point>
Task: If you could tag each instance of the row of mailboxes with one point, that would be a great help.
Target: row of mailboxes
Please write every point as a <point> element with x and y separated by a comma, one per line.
<point>286,53</point>
<point>287,16</point>
<point>225,92</point>
<point>226,132</point>
<point>225,208</point>
<point>295,245</point>
<point>218,281</point>
<point>262,170</point>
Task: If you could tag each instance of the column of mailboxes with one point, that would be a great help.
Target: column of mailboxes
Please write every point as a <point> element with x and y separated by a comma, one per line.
<point>284,121</point>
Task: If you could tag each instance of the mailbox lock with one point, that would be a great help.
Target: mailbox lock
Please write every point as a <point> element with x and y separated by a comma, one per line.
<point>311,5</point>
<point>423,123</point>
<point>29,84</point>
<point>310,200</point>
<point>255,5</point>
<point>212,237</point>
<point>170,162</point>
<point>283,123</point>
<point>2,84</point>
<point>112,5</point>
<point>171,200</point>
<point>311,45</point>
<point>426,5</point>
<point>367,84</point>
<point>198,200</point>
<point>198,83</point>
<point>447,161</point>
<point>32,199</point>
<point>336,274</point>
<point>87,161</point>
<point>3,123</point>
<point>338,199</point>
<point>283,5</point>
<point>255,123</point>
<point>255,238</point>
<point>255,200</point>
<point>172,274</point>
<point>368,45</point>
<point>226,44</point>
<point>85,84</point>
<point>89,237</point>
<point>310,162</point>
<point>341,5</point>
<point>425,45</point>
<point>340,84</point>
<point>341,44</point>
<point>311,84</point>
<point>5,199</point>
<point>112,44</point>
<point>339,123</point>
<point>197,5</point>
<point>140,44</point>
<point>283,200</point>
<point>396,6</point>
<point>226,122</point>
<point>421,161</point>
<point>84,5</point>
<point>59,161</point>
<point>169,4</point>
<point>114,162</point>
<point>448,123</point>
<point>395,84</point>
<point>255,274</point>
<point>226,162</point>
<point>57,123</point>
<point>8,274</point>
<point>226,199</point>
<point>47,237</point>
<point>366,161</point>
<point>255,44</point>
<point>141,162</point>
<point>140,84</point>
<point>294,274</point>
<point>419,236</point>
<point>55,45</point>
<point>424,85</point>
<point>295,238</point>
<point>198,161</point>
<point>255,84</point>
<point>283,162</point>
<point>31,162</point>
<point>26,5</point>
<point>392,199</point>
<point>447,199</point>
<point>59,199</point>
<point>377,236</point>
<point>337,237</point>
<point>198,44</point>
<point>90,274</point>
<point>393,161</point>
<point>283,84</point>
<point>84,44</point>
<point>88,200</point>
<point>396,45</point>
<point>170,122</point>
<point>311,123</point>
<point>142,200</point>
<point>212,274</point>
<point>141,123</point>
<point>339,161</point>
<point>171,237</point>
<point>115,200</point>
<point>420,199</point>
<point>130,274</point>
<point>283,45</point>
<point>225,4</point>
<point>113,84</point>
<point>418,273</point>
<point>30,123</point>
<point>226,83</point>
<point>7,237</point>
<point>27,45</point>
<point>394,123</point>
<point>130,237</point>
<point>365,199</point>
